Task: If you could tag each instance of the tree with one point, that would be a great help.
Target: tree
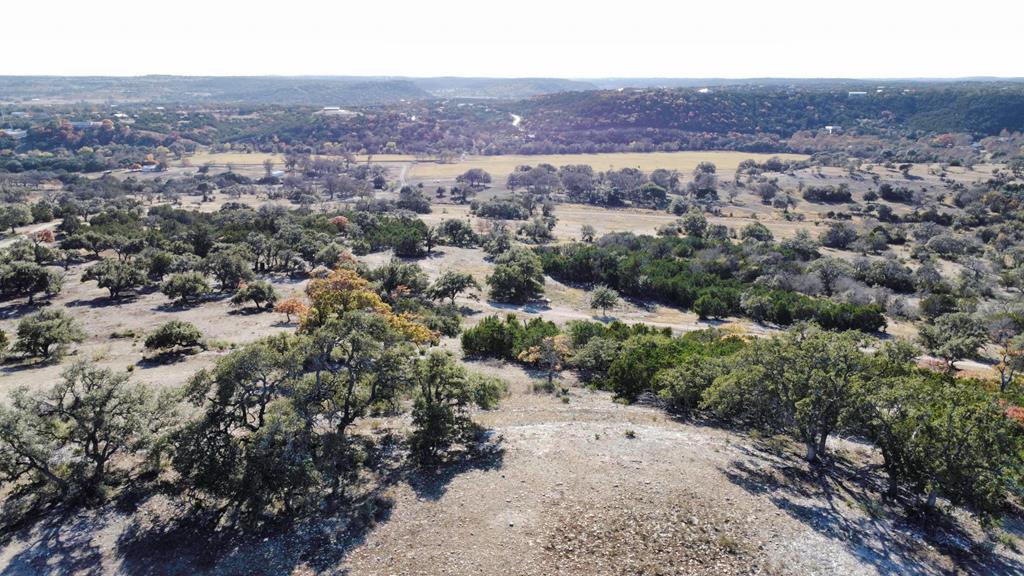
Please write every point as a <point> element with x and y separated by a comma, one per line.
<point>186,287</point>
<point>801,382</point>
<point>518,277</point>
<point>47,333</point>
<point>440,416</point>
<point>1004,332</point>
<point>5,343</point>
<point>69,437</point>
<point>587,233</point>
<point>291,306</point>
<point>550,354</point>
<point>450,284</point>
<point>952,337</point>
<point>603,298</point>
<point>261,293</point>
<point>829,271</point>
<point>249,447</point>
<point>14,215</point>
<point>229,267</point>
<point>116,276</point>
<point>176,334</point>
<point>474,177</point>
<point>412,198</point>
<point>694,223</point>
<point>839,235</point>
<point>22,278</point>
<point>710,305</point>
<point>757,232</point>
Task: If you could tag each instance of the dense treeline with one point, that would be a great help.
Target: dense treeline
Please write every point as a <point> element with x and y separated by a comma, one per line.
<point>672,270</point>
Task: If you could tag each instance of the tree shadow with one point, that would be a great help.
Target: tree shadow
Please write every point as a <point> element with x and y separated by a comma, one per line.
<point>317,542</point>
<point>431,483</point>
<point>247,311</point>
<point>845,503</point>
<point>527,307</point>
<point>102,301</point>
<point>18,311</point>
<point>62,543</point>
<point>165,358</point>
<point>179,306</point>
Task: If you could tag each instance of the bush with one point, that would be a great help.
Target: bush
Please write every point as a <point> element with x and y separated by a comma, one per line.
<point>487,390</point>
<point>176,334</point>
<point>506,339</point>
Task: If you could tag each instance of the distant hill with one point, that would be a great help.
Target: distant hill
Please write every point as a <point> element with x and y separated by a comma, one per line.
<point>299,90</point>
<point>200,89</point>
<point>503,88</point>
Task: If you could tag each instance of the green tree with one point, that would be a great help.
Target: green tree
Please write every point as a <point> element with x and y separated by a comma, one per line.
<point>694,223</point>
<point>14,215</point>
<point>603,298</point>
<point>800,382</point>
<point>450,284</point>
<point>116,276</point>
<point>71,436</point>
<point>47,333</point>
<point>518,277</point>
<point>229,267</point>
<point>260,292</point>
<point>28,279</point>
<point>952,337</point>
<point>441,413</point>
<point>186,287</point>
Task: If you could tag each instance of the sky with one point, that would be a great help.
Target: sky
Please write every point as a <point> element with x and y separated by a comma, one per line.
<point>522,38</point>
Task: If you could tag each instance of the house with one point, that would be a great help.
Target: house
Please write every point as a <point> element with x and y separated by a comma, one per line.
<point>13,133</point>
<point>833,129</point>
<point>855,93</point>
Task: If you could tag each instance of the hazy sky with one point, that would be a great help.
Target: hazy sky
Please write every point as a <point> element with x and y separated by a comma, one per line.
<point>574,39</point>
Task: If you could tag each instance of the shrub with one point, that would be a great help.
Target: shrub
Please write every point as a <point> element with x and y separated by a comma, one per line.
<point>710,306</point>
<point>487,390</point>
<point>176,334</point>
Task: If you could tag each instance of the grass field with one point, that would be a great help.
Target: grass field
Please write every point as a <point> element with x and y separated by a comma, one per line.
<point>501,166</point>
